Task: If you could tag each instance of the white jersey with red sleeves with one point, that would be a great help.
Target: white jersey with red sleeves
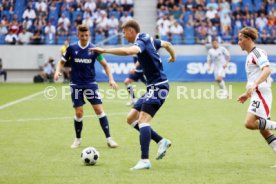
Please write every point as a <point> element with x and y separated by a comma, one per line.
<point>255,61</point>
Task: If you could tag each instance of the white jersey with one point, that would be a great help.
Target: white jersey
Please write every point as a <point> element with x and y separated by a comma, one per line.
<point>218,56</point>
<point>255,61</point>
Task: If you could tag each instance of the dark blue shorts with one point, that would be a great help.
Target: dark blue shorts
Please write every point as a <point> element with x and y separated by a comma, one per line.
<point>137,76</point>
<point>90,91</point>
<point>153,99</point>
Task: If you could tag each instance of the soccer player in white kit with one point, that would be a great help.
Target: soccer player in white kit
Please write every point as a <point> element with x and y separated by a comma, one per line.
<point>258,87</point>
<point>220,57</point>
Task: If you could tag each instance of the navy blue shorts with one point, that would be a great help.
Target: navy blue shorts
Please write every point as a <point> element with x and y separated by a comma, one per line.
<point>137,76</point>
<point>153,99</point>
<point>89,91</point>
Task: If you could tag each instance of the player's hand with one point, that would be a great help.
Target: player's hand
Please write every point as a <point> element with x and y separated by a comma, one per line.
<point>242,98</point>
<point>113,85</point>
<point>57,75</point>
<point>132,71</point>
<point>224,66</point>
<point>171,60</point>
<point>97,49</point>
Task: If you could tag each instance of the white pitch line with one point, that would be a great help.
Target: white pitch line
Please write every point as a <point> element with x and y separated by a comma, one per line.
<point>57,118</point>
<point>20,100</point>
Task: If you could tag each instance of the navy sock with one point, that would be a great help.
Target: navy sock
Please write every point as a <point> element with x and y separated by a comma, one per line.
<point>78,128</point>
<point>154,136</point>
<point>130,91</point>
<point>145,136</point>
<point>104,125</point>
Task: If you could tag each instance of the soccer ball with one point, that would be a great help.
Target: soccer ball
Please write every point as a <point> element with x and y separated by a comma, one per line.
<point>90,156</point>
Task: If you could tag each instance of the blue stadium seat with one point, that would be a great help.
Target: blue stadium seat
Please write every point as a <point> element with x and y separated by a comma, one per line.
<point>48,41</point>
<point>61,40</point>
<point>75,14</point>
<point>113,41</point>
<point>176,39</point>
<point>7,14</point>
<point>2,39</point>
<point>115,13</point>
<point>189,35</point>
<point>98,38</point>
<point>164,37</point>
<point>73,38</point>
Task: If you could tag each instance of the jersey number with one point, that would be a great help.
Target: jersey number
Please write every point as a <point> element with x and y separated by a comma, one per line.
<point>256,104</point>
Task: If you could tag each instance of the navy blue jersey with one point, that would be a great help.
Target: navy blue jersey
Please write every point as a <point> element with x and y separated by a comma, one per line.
<point>82,62</point>
<point>149,58</point>
<point>139,68</point>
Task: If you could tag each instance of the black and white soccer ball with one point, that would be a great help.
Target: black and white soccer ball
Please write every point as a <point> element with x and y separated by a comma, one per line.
<point>90,156</point>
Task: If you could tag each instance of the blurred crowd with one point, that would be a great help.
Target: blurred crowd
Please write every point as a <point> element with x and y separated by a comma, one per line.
<point>54,21</point>
<point>197,21</point>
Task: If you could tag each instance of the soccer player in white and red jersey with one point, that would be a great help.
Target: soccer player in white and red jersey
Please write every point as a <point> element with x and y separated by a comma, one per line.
<point>258,87</point>
<point>219,56</point>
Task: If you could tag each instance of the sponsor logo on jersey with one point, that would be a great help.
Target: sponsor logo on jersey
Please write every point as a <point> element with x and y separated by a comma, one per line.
<point>78,60</point>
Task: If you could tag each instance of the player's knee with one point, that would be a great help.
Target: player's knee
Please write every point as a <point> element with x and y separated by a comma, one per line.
<point>127,82</point>
<point>250,125</point>
<point>79,113</point>
<point>98,111</point>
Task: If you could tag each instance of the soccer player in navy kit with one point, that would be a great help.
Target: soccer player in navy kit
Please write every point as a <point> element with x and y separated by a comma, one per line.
<point>145,47</point>
<point>82,82</point>
<point>135,74</point>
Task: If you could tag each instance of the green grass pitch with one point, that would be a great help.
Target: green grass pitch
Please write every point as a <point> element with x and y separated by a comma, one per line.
<point>209,142</point>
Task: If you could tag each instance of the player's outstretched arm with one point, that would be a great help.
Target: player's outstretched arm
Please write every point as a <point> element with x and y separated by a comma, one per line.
<point>121,51</point>
<point>107,70</point>
<point>169,48</point>
<point>242,98</point>
<point>60,66</point>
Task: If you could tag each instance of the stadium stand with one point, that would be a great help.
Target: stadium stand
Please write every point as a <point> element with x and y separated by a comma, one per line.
<point>203,19</point>
<point>54,21</point>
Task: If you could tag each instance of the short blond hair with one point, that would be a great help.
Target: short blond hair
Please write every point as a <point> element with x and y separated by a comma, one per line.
<point>249,32</point>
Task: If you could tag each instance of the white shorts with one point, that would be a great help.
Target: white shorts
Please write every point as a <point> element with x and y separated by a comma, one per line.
<point>219,72</point>
<point>260,103</point>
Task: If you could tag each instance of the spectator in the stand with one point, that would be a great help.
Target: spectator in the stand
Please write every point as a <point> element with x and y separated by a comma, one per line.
<point>246,10</point>
<point>86,13</point>
<point>265,37</point>
<point>213,4</point>
<point>262,10</point>
<point>61,30</point>
<point>90,5</point>
<point>261,22</point>
<point>41,8</point>
<point>27,23</point>
<point>127,4</point>
<point>176,29</point>
<point>36,39</point>
<point>50,32</point>
<point>224,6</point>
<point>160,3</point>
<point>216,20</point>
<point>113,25</point>
<point>237,11</point>
<point>190,5</point>
<point>39,23</point>
<point>177,13</point>
<point>3,28</point>
<point>190,22</point>
<point>125,18</point>
<point>100,4</point>
<point>11,38</point>
<point>226,37</point>
<point>163,31</point>
<point>52,6</point>
<point>102,22</point>
<point>5,21</point>
<point>2,71</point>
<point>211,13</point>
<point>14,25</point>
<point>248,21</point>
<point>24,37</point>
<point>238,22</point>
<point>88,21</point>
<point>64,21</point>
<point>7,6</point>
<point>29,12</point>
<point>202,32</point>
<point>200,14</point>
<point>162,11</point>
<point>78,20</point>
<point>225,22</point>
